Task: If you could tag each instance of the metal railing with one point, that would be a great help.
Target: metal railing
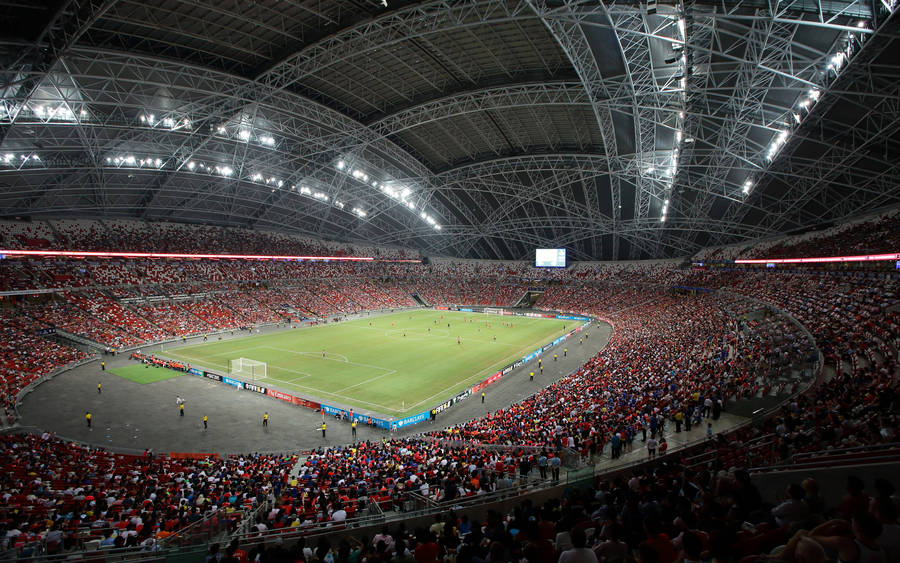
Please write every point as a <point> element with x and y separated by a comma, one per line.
<point>854,455</point>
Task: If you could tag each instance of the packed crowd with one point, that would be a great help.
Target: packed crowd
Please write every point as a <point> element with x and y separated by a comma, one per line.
<point>53,489</point>
<point>852,315</point>
<point>662,513</point>
<point>123,235</point>
<point>675,360</point>
<point>874,235</point>
<point>25,356</point>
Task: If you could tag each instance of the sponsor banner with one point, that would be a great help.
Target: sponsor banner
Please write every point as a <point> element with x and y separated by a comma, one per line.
<point>508,313</point>
<point>331,410</point>
<point>487,382</point>
<point>548,316</point>
<point>235,382</point>
<point>507,369</point>
<point>572,318</point>
<point>334,411</point>
<point>529,357</point>
<point>304,403</point>
<point>518,364</point>
<point>255,388</point>
<point>213,376</point>
<point>441,308</point>
<point>443,406</point>
<point>196,371</point>
<point>546,347</point>
<point>279,395</point>
<point>422,416</point>
<point>45,331</point>
<point>465,310</point>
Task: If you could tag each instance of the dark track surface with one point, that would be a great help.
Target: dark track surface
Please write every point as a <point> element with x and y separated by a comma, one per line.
<point>129,416</point>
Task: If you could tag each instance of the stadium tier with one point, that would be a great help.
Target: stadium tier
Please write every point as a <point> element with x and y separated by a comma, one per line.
<point>687,343</point>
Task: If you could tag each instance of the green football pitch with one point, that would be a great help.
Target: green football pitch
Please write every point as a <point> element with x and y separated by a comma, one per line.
<point>145,373</point>
<point>397,364</point>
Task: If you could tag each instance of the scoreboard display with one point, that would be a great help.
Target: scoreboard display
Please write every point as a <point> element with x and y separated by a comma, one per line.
<point>550,258</point>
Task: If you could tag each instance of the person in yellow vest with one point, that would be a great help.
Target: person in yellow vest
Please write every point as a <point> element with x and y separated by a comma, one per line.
<point>565,352</point>
<point>205,420</point>
<point>181,409</point>
<point>555,357</point>
<point>542,368</point>
<point>87,418</point>
<point>678,418</point>
<point>266,420</point>
<point>353,429</point>
<point>99,389</point>
<point>531,376</point>
<point>102,366</point>
<point>482,397</point>
<point>323,429</point>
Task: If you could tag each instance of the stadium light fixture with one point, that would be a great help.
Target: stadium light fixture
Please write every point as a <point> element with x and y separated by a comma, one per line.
<point>823,259</point>
<point>180,256</point>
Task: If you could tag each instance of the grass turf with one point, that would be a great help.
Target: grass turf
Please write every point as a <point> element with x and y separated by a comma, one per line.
<point>397,365</point>
<point>145,374</point>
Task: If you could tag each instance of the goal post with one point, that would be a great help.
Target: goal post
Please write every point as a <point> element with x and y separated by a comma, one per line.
<point>248,368</point>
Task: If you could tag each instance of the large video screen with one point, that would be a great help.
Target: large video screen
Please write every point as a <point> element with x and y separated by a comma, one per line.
<point>550,258</point>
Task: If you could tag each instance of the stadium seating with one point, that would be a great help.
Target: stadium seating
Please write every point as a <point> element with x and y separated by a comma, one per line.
<point>25,357</point>
<point>48,484</point>
<point>670,352</point>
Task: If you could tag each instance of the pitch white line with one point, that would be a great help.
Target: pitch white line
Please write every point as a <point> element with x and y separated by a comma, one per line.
<point>345,361</point>
<point>376,378</point>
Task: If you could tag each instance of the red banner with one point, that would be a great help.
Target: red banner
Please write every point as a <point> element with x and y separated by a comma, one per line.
<point>304,403</point>
<point>487,382</point>
<point>280,395</point>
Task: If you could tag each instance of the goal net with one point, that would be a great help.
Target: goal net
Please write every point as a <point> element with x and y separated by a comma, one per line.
<point>248,368</point>
<point>491,311</point>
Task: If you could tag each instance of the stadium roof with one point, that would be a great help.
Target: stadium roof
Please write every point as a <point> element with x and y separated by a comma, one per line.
<point>469,128</point>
